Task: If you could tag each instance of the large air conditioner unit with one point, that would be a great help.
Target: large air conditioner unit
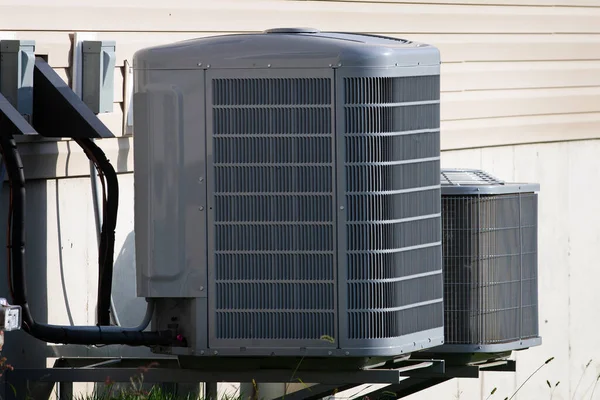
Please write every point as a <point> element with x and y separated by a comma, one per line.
<point>490,263</point>
<point>287,194</point>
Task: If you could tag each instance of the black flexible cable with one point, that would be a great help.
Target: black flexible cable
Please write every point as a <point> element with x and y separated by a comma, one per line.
<point>106,249</point>
<point>83,335</point>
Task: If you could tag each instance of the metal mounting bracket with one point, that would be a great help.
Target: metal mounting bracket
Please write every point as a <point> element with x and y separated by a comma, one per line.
<point>58,111</point>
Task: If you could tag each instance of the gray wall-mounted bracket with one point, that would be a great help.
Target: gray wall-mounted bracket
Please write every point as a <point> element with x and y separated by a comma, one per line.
<point>98,75</point>
<point>17,59</point>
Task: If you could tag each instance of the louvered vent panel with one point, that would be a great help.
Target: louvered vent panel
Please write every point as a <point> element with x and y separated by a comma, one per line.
<point>270,325</point>
<point>272,91</point>
<point>386,90</point>
<point>392,175</point>
<point>490,268</point>
<point>386,324</point>
<point>273,209</point>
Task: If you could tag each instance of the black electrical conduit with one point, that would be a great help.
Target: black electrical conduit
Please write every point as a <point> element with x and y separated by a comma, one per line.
<point>106,249</point>
<point>83,335</point>
<point>98,220</point>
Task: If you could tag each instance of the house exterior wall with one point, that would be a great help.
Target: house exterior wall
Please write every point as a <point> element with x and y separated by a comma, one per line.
<point>521,98</point>
<point>514,71</point>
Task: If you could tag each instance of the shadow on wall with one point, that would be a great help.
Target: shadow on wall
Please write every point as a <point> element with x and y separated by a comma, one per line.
<point>60,231</point>
<point>130,308</point>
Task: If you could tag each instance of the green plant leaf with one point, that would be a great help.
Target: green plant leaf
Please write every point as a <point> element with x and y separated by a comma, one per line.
<point>14,390</point>
<point>327,338</point>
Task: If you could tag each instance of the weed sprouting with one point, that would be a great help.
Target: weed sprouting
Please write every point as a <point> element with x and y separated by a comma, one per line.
<point>491,393</point>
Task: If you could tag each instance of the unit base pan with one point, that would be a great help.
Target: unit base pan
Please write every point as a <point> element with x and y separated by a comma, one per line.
<point>488,348</point>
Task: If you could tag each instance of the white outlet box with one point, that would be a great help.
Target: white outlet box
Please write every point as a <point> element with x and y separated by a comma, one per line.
<point>10,316</point>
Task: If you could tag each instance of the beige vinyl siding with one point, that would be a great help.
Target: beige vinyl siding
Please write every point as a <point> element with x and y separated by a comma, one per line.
<point>546,3</point>
<point>514,71</point>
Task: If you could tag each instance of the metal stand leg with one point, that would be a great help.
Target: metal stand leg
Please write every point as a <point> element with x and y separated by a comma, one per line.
<point>405,388</point>
<point>316,392</point>
<point>65,391</point>
<point>247,391</point>
<point>210,391</point>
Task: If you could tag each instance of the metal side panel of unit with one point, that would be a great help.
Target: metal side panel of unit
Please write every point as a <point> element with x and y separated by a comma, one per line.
<point>169,161</point>
<point>389,222</point>
<point>271,211</point>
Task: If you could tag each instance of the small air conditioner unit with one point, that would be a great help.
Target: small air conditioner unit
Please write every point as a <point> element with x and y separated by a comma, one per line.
<point>490,253</point>
<point>288,194</point>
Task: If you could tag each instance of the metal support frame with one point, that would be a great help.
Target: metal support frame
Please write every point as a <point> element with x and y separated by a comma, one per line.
<point>170,373</point>
<point>11,120</point>
<point>58,111</point>
<point>420,379</point>
<point>407,377</point>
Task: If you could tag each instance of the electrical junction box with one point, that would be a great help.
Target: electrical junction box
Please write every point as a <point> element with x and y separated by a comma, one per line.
<point>287,194</point>
<point>10,316</point>
<point>17,62</point>
<point>98,75</point>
